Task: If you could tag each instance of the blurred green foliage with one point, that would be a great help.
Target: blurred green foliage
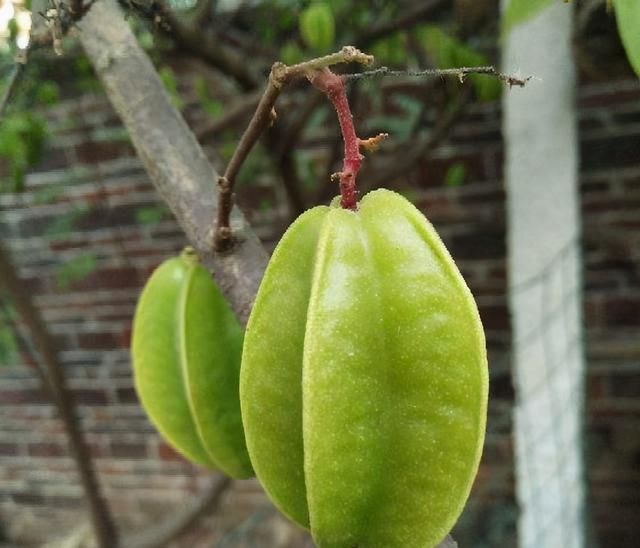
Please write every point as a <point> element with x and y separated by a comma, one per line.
<point>291,53</point>
<point>455,175</point>
<point>63,225</point>
<point>392,50</point>
<point>170,82</point>
<point>76,269</point>
<point>22,139</point>
<point>317,27</point>
<point>151,215</point>
<point>519,11</point>
<point>47,194</point>
<point>84,77</point>
<point>8,343</point>
<point>23,128</point>
<point>209,104</point>
<point>400,126</point>
<point>449,52</point>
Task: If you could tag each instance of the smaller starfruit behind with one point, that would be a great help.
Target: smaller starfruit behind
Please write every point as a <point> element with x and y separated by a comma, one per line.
<point>364,378</point>
<point>186,350</point>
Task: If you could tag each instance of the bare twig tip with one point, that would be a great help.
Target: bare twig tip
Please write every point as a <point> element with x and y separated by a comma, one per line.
<point>372,143</point>
<point>352,54</point>
<point>461,73</point>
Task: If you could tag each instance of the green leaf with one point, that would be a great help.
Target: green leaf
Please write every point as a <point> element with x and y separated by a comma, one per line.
<point>455,175</point>
<point>306,169</point>
<point>8,343</point>
<point>449,52</point>
<point>22,139</point>
<point>84,76</point>
<point>628,17</point>
<point>210,105</point>
<point>391,50</point>
<point>151,215</point>
<point>488,88</point>
<point>291,54</point>
<point>35,138</point>
<point>399,127</point>
<point>18,175</point>
<point>520,11</point>
<point>62,226</point>
<point>76,269</point>
<point>12,27</point>
<point>47,195</point>
<point>317,26</point>
<point>170,82</point>
<point>265,206</point>
<point>47,93</point>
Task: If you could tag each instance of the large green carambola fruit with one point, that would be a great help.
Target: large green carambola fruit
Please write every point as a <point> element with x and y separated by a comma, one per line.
<point>186,351</point>
<point>364,380</point>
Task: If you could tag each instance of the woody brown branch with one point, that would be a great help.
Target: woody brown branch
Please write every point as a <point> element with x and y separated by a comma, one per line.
<point>280,76</point>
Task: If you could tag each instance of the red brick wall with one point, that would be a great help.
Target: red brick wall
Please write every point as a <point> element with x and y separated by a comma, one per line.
<point>90,158</point>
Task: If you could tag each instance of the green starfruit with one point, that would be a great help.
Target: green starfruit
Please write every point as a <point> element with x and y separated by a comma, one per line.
<point>364,380</point>
<point>186,350</point>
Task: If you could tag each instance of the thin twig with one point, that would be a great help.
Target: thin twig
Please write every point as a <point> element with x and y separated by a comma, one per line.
<point>280,76</point>
<point>287,168</point>
<point>260,120</point>
<point>14,78</point>
<point>223,235</point>
<point>333,87</point>
<point>204,44</point>
<point>461,73</point>
<point>206,503</point>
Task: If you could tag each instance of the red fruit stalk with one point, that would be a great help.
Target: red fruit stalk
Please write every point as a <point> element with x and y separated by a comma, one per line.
<point>333,86</point>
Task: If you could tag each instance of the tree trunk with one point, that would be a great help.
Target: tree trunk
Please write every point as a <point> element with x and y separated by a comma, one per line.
<point>174,160</point>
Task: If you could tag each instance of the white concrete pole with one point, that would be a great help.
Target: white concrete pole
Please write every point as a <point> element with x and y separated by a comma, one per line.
<point>539,128</point>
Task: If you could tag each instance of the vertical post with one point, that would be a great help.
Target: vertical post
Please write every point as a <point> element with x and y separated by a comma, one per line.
<point>541,170</point>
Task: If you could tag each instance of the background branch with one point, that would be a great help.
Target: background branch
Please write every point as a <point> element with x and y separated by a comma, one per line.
<point>287,168</point>
<point>408,19</point>
<point>376,175</point>
<point>54,383</point>
<point>14,77</point>
<point>172,528</point>
<point>201,42</point>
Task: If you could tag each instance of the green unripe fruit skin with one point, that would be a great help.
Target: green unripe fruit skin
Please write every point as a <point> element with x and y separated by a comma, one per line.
<point>364,378</point>
<point>186,350</point>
